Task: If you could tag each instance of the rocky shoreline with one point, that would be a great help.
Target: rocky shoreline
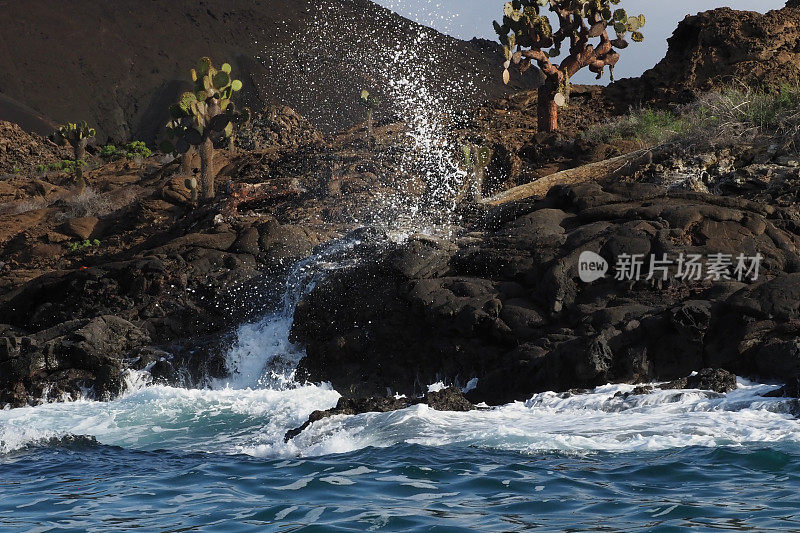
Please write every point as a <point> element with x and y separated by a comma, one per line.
<point>506,305</point>
<point>499,301</point>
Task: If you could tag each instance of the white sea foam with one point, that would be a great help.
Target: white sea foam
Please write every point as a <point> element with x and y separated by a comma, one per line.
<point>254,422</point>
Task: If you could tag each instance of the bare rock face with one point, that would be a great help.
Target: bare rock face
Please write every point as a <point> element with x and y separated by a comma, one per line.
<point>721,47</point>
<point>300,52</point>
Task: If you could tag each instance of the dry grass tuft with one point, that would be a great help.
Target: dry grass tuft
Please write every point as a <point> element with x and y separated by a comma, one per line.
<point>734,116</point>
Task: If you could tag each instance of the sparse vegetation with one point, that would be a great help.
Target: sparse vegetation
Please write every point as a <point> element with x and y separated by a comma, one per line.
<point>81,245</point>
<point>66,165</point>
<point>25,206</point>
<point>733,116</point>
<point>644,125</point>
<point>133,150</point>
<point>87,203</point>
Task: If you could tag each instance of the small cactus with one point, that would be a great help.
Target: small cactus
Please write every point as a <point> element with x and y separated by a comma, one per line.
<point>475,159</point>
<point>205,118</point>
<point>76,135</point>
<point>369,103</point>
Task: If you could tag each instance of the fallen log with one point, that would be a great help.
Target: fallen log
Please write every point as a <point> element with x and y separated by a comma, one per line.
<point>609,168</point>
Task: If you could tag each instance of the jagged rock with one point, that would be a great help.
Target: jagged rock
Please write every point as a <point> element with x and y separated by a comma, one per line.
<point>712,379</point>
<point>449,399</point>
<point>277,126</point>
<point>22,151</point>
<point>66,359</point>
<point>81,227</point>
<point>710,49</point>
<point>508,307</point>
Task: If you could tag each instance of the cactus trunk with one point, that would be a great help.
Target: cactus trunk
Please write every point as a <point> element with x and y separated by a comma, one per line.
<point>207,169</point>
<point>80,149</point>
<point>369,122</point>
<point>186,163</point>
<point>547,108</point>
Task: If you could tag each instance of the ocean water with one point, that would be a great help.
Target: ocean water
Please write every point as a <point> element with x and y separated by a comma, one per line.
<point>214,459</point>
<point>168,459</point>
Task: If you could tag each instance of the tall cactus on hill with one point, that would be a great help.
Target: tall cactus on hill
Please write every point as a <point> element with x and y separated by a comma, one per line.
<point>76,135</point>
<point>205,118</point>
<point>527,36</point>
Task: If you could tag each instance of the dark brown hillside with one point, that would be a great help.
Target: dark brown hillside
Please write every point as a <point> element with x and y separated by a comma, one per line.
<point>118,64</point>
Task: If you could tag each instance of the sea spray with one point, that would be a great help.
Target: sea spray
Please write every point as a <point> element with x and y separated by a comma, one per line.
<point>262,355</point>
<point>424,156</point>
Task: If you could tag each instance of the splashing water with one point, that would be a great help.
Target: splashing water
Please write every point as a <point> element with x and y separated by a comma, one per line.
<point>263,356</point>
<point>401,73</point>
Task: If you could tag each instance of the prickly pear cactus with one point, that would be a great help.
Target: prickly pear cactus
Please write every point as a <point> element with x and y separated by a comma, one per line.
<point>527,36</point>
<point>76,135</point>
<point>368,101</point>
<point>206,117</point>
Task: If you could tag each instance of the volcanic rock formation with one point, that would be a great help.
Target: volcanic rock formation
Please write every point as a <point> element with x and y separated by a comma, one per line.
<point>717,48</point>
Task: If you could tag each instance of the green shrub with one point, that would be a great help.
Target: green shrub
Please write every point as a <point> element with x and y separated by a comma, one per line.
<point>110,152</point>
<point>646,126</point>
<point>132,150</point>
<point>137,149</point>
<point>731,116</point>
<point>67,165</point>
<point>80,245</point>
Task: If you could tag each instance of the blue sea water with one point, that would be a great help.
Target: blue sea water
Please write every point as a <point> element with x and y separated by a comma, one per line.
<point>164,459</point>
<point>81,486</point>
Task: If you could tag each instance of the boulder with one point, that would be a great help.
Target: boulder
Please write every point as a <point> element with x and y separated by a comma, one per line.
<point>65,360</point>
<point>80,228</point>
<point>711,379</point>
<point>449,399</point>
